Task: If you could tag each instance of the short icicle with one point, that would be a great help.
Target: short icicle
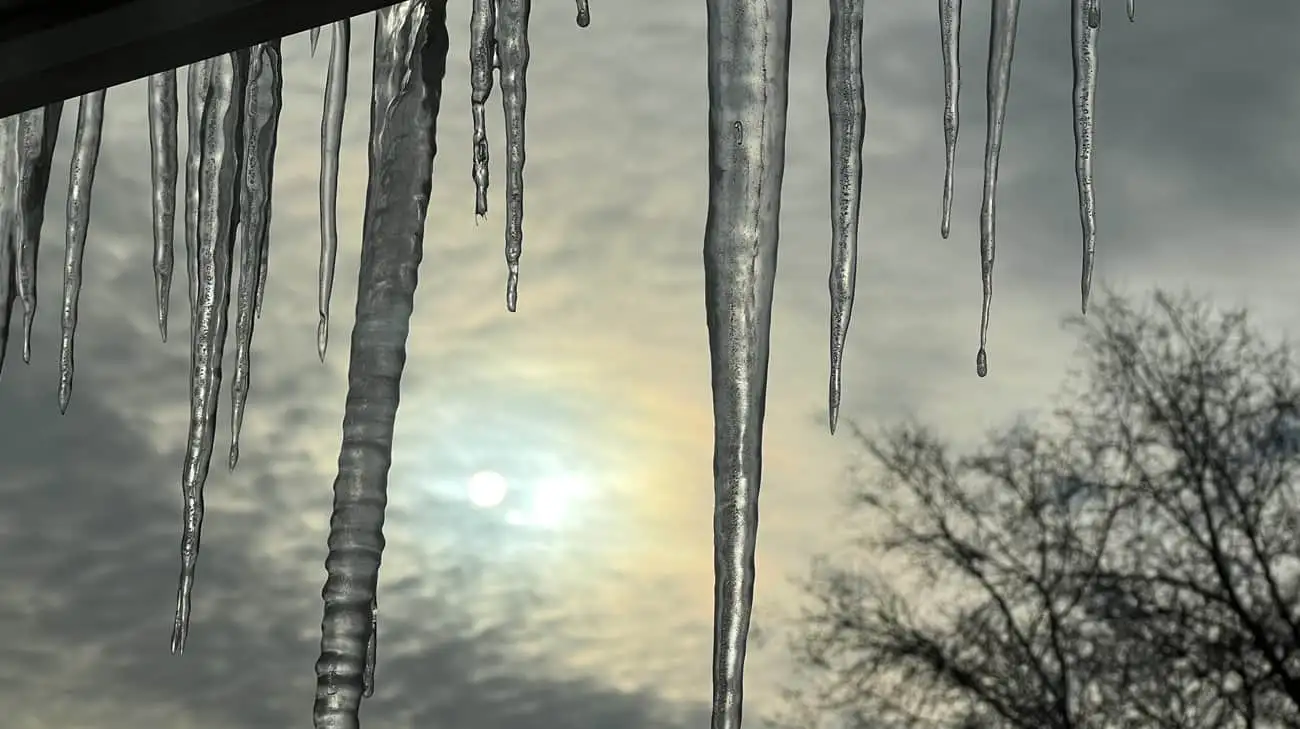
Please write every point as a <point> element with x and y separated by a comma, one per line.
<point>10,141</point>
<point>409,64</point>
<point>315,39</point>
<point>81,177</point>
<point>1132,10</point>
<point>262,105</point>
<point>1083,37</point>
<point>512,45</point>
<point>482,46</point>
<point>1002,42</point>
<point>221,146</point>
<point>846,101</point>
<point>200,73</point>
<point>584,14</point>
<point>748,80</point>
<point>38,130</point>
<point>950,39</point>
<point>331,139</point>
<point>163,153</point>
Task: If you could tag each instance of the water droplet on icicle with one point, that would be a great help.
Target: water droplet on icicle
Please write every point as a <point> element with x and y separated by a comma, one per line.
<point>845,97</point>
<point>1002,43</point>
<point>950,39</point>
<point>512,46</point>
<point>262,104</point>
<point>336,95</point>
<point>220,146</point>
<point>748,58</point>
<point>1083,41</point>
<point>81,180</point>
<point>163,155</point>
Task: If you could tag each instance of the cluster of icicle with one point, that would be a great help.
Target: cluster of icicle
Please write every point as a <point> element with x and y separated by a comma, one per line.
<point>233,108</point>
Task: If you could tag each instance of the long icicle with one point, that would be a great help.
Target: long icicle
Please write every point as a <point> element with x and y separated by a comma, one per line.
<point>410,61</point>
<point>1083,41</point>
<point>163,152</point>
<point>331,139</point>
<point>262,104</point>
<point>482,44</point>
<point>81,179</point>
<point>1002,43</point>
<point>748,60</point>
<point>37,130</point>
<point>950,38</point>
<point>10,141</point>
<point>512,46</point>
<point>846,101</point>
<point>218,190</point>
<point>200,73</point>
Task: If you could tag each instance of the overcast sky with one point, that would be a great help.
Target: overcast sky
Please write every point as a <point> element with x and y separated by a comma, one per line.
<point>584,599</point>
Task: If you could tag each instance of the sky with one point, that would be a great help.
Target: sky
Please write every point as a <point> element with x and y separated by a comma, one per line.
<point>584,597</point>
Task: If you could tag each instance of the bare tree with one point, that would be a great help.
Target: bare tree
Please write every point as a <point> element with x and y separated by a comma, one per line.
<point>1132,560</point>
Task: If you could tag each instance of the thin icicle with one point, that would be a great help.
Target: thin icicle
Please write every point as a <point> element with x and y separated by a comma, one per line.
<point>331,139</point>
<point>845,98</point>
<point>38,131</point>
<point>950,36</point>
<point>482,49</point>
<point>1002,43</point>
<point>584,14</point>
<point>315,40</point>
<point>512,45</point>
<point>218,196</point>
<point>200,74</point>
<point>1083,37</point>
<point>749,66</point>
<point>1132,10</point>
<point>10,140</point>
<point>81,178</point>
<point>262,104</point>
<point>410,61</point>
<point>163,151</point>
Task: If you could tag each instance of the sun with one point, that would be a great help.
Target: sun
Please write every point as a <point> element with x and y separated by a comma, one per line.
<point>486,489</point>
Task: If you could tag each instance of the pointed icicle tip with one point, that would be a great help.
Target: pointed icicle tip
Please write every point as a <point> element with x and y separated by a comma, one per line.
<point>322,336</point>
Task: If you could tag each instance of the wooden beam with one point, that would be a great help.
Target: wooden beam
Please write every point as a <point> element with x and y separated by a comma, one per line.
<point>51,50</point>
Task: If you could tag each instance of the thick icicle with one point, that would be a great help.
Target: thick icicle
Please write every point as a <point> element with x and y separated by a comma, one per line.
<point>1083,37</point>
<point>81,177</point>
<point>221,145</point>
<point>331,138</point>
<point>163,151</point>
<point>950,37</point>
<point>10,141</point>
<point>262,104</point>
<point>512,45</point>
<point>1002,43</point>
<point>200,73</point>
<point>482,47</point>
<point>410,61</point>
<point>38,131</point>
<point>584,14</point>
<point>845,98</point>
<point>749,67</point>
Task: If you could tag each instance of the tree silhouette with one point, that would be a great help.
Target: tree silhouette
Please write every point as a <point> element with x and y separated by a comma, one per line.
<point>1133,560</point>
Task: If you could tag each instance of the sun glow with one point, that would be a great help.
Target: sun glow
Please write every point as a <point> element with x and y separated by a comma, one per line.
<point>487,489</point>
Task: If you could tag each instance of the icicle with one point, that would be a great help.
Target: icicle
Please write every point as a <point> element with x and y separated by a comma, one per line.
<point>950,35</point>
<point>1132,10</point>
<point>584,14</point>
<point>81,178</point>
<point>273,65</point>
<point>336,94</point>
<point>38,131</point>
<point>845,98</point>
<point>1002,42</point>
<point>262,104</point>
<point>410,61</point>
<point>10,141</point>
<point>200,73</point>
<point>372,652</point>
<point>1084,42</point>
<point>482,50</point>
<point>315,40</point>
<point>163,150</point>
<point>512,44</point>
<point>221,144</point>
<point>749,66</point>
